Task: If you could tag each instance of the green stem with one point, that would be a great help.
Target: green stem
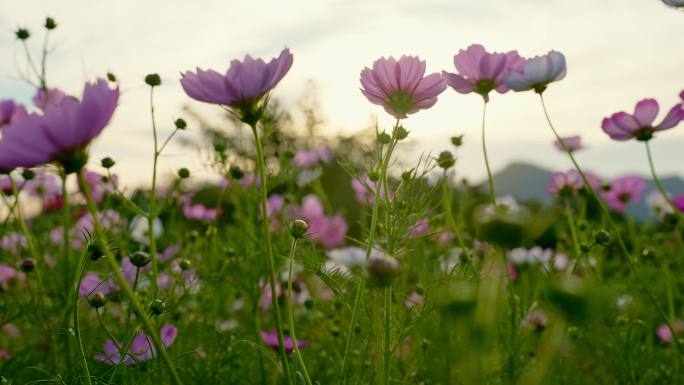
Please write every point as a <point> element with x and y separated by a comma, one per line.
<point>151,213</point>
<point>121,280</point>
<point>446,203</point>
<point>659,185</point>
<point>384,161</point>
<point>261,169</point>
<point>387,335</point>
<point>614,227</point>
<point>290,310</point>
<point>77,330</point>
<point>66,226</point>
<point>490,178</point>
<point>573,232</point>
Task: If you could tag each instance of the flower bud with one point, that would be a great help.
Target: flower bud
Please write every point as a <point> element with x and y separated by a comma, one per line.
<point>585,248</point>
<point>22,34</point>
<point>94,250</point>
<point>384,138</point>
<point>400,133</point>
<point>457,141</point>
<point>140,259</point>
<point>107,162</point>
<point>111,77</point>
<point>236,172</point>
<point>50,23</point>
<point>288,153</point>
<point>185,264</point>
<point>157,307</point>
<point>180,124</point>
<point>183,173</point>
<point>220,147</point>
<point>382,269</point>
<point>28,174</point>
<point>298,228</point>
<point>373,176</point>
<point>28,265</point>
<point>445,160</point>
<point>406,176</point>
<point>97,300</point>
<point>602,237</point>
<point>153,80</point>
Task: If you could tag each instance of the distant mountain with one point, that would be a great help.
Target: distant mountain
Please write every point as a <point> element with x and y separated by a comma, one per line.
<point>528,182</point>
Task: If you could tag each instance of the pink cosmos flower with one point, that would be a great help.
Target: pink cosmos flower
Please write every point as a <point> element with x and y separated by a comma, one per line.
<point>565,183</point>
<point>421,227</point>
<point>141,349</point>
<point>13,242</point>
<point>274,204</point>
<point>48,188</point>
<point>640,125</point>
<point>679,202</point>
<point>413,300</point>
<point>54,97</point>
<point>573,143</point>
<point>400,86</point>
<point>198,211</point>
<point>364,189</point>
<point>271,340</point>
<point>5,355</point>
<point>7,274</point>
<point>536,73</point>
<point>665,334</point>
<point>308,158</point>
<point>245,83</point>
<point>482,72</point>
<point>329,231</point>
<point>624,190</point>
<point>250,180</point>
<point>99,185</point>
<point>62,133</point>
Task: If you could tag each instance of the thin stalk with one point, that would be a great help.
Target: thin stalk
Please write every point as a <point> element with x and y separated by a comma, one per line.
<point>490,179</point>
<point>151,213</point>
<point>659,185</point>
<point>384,161</point>
<point>611,223</point>
<point>261,169</point>
<point>573,230</point>
<point>77,330</point>
<point>446,203</point>
<point>121,280</point>
<point>66,226</point>
<point>290,311</point>
<point>387,335</point>
<point>106,329</point>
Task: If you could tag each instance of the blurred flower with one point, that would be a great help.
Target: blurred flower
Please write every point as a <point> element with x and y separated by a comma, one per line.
<point>573,143</point>
<point>419,228</point>
<point>625,126</point>
<point>48,188</point>
<point>99,184</point>
<point>565,184</point>
<point>679,202</point>
<point>54,97</point>
<point>139,226</point>
<point>364,188</point>
<point>5,355</point>
<point>536,73</point>
<point>445,237</point>
<point>400,86</point>
<point>624,190</point>
<point>250,180</point>
<point>13,242</point>
<point>308,158</point>
<point>665,334</point>
<point>482,72</point>
<point>62,133</point>
<point>244,84</point>
<point>547,258</point>
<point>141,349</point>
<point>7,274</point>
<point>413,300</point>
<point>329,231</point>
<point>92,284</point>
<point>308,175</point>
<point>534,320</point>
<point>197,211</point>
<point>658,205</point>
<point>345,259</point>
<point>271,340</point>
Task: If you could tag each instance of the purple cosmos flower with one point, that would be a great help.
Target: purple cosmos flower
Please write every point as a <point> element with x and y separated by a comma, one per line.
<point>8,110</point>
<point>242,87</point>
<point>329,231</point>
<point>99,184</point>
<point>48,188</point>
<point>53,97</point>
<point>271,340</point>
<point>482,72</point>
<point>624,126</point>
<point>565,183</point>
<point>61,133</point>
<point>274,204</point>
<point>573,143</point>
<point>141,349</point>
<point>7,273</point>
<point>400,87</point>
<point>419,228</point>
<point>679,202</point>
<point>665,334</point>
<point>364,189</point>
<point>309,158</point>
<point>623,191</point>
<point>536,73</point>
<point>92,284</point>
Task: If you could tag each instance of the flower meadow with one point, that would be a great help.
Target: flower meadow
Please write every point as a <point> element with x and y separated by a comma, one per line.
<point>311,259</point>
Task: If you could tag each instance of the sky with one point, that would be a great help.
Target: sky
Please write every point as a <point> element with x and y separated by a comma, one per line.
<point>618,52</point>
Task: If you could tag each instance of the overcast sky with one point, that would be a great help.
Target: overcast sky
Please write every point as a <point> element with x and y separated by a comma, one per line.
<point>618,52</point>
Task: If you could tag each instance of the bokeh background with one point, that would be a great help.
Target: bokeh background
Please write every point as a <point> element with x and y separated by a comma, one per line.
<point>618,51</point>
